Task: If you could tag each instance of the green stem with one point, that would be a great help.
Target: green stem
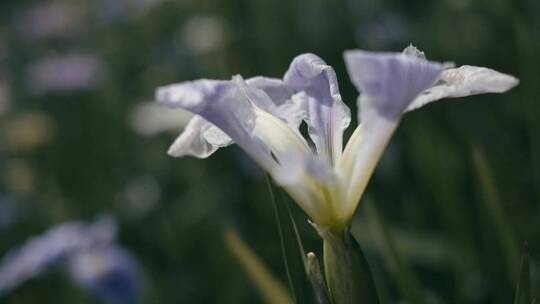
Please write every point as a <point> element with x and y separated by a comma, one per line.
<point>348,275</point>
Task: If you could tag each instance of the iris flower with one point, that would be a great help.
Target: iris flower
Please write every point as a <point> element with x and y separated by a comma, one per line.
<point>264,117</point>
<point>87,252</point>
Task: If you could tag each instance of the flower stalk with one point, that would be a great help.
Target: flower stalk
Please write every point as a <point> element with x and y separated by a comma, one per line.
<point>348,275</point>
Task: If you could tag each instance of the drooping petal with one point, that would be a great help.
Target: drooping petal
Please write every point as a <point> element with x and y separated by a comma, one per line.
<point>389,82</point>
<point>464,81</point>
<point>225,104</point>
<point>199,139</point>
<point>325,113</point>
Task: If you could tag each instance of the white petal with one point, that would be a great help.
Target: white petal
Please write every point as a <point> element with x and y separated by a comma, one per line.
<point>216,137</point>
<point>325,113</point>
<point>200,139</point>
<point>361,155</point>
<point>388,82</point>
<point>411,50</point>
<point>464,81</point>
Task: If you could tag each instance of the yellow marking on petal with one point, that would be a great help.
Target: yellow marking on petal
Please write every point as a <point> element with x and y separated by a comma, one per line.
<point>279,137</point>
<point>360,158</point>
<point>283,141</point>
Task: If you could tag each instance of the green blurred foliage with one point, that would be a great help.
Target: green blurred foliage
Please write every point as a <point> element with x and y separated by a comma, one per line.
<point>458,188</point>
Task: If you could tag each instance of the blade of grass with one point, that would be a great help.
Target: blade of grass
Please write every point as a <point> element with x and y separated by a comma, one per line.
<point>407,283</point>
<point>271,290</point>
<point>494,210</point>
<point>295,229</point>
<point>291,246</point>
<point>311,264</point>
<point>523,289</point>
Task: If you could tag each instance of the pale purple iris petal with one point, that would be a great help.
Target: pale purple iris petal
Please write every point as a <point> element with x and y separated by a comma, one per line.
<point>288,107</point>
<point>465,81</point>
<point>275,88</point>
<point>325,113</point>
<point>65,74</point>
<point>229,105</point>
<point>51,20</point>
<point>388,82</point>
<point>293,112</point>
<point>54,246</point>
<point>194,140</point>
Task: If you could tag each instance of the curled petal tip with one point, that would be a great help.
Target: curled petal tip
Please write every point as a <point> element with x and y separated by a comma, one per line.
<point>465,81</point>
<point>479,80</point>
<point>504,83</point>
<point>199,139</point>
<point>411,50</point>
<point>303,69</point>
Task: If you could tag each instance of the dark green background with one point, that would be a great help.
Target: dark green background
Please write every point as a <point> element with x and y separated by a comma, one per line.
<point>442,208</point>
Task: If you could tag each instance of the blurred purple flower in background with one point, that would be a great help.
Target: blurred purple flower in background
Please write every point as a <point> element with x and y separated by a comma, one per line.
<point>65,73</point>
<point>111,11</point>
<point>109,272</point>
<point>86,251</point>
<point>50,20</point>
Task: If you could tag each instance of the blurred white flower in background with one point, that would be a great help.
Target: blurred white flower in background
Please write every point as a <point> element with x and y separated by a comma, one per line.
<point>204,34</point>
<point>149,119</point>
<point>65,73</point>
<point>51,20</point>
<point>142,193</point>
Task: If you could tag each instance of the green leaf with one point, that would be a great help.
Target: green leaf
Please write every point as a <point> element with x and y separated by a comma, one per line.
<point>523,289</point>
<point>347,272</point>
<point>271,290</point>
<point>493,209</point>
